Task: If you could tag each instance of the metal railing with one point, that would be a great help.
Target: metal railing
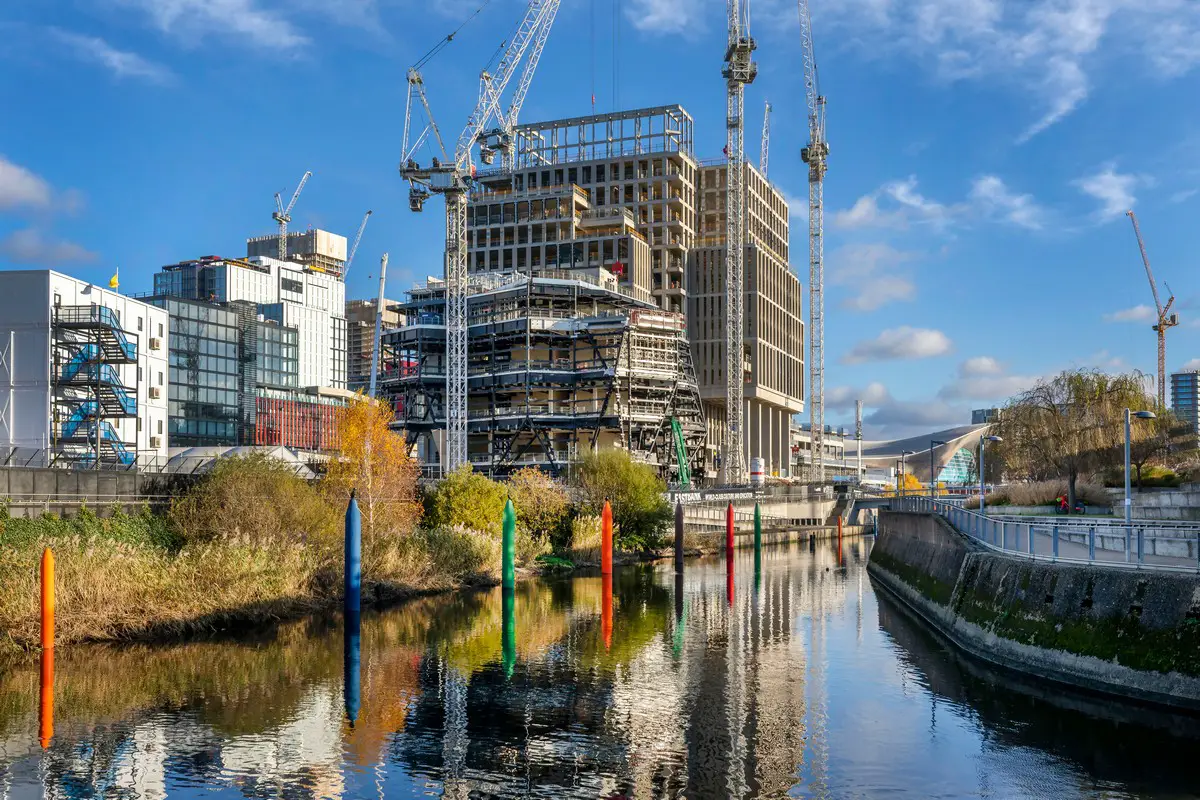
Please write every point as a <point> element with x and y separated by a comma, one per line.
<point>1142,544</point>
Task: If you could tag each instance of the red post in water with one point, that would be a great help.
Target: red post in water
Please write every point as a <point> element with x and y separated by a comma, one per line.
<point>729,531</point>
<point>46,705</point>
<point>839,519</point>
<point>606,539</point>
<point>47,599</point>
<point>606,609</point>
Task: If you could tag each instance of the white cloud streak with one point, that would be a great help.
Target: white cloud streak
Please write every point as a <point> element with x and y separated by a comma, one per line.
<point>1138,313</point>
<point>900,344</point>
<point>684,17</point>
<point>120,63</point>
<point>243,20</point>
<point>903,205</point>
<point>873,274</point>
<point>21,188</point>
<point>29,247</point>
<point>1113,189</point>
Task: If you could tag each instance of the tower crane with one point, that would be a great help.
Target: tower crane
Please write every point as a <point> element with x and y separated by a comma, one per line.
<point>1165,318</point>
<point>453,177</point>
<point>284,216</point>
<point>354,247</point>
<point>815,155</point>
<point>738,71</point>
<point>766,141</point>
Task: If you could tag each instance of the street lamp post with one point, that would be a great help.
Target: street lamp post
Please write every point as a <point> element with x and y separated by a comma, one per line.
<point>983,440</point>
<point>932,477</point>
<point>1128,490</point>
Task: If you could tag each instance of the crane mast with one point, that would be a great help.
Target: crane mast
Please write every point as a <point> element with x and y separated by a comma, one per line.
<point>766,142</point>
<point>815,155</point>
<point>1165,318</point>
<point>453,179</point>
<point>284,216</point>
<point>738,71</point>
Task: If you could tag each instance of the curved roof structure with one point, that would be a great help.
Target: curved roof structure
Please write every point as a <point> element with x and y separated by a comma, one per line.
<point>884,455</point>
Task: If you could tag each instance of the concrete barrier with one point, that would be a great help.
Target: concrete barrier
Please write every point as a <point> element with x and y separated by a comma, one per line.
<point>1119,631</point>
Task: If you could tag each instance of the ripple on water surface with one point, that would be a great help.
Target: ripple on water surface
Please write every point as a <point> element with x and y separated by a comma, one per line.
<point>802,681</point>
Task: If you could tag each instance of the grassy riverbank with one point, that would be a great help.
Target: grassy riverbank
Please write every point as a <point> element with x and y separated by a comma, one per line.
<point>252,544</point>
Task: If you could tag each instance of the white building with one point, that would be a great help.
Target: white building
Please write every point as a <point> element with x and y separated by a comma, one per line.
<point>304,297</point>
<point>81,367</point>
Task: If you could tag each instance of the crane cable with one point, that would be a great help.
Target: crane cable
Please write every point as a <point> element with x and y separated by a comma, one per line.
<point>437,48</point>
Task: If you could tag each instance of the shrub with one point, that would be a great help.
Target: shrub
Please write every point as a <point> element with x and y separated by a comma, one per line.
<point>640,512</point>
<point>466,499</point>
<point>541,502</point>
<point>461,551</point>
<point>1043,493</point>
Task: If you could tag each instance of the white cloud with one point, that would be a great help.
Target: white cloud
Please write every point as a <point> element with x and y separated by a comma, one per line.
<point>898,344</point>
<point>1113,189</point>
<point>1189,366</point>
<point>1138,313</point>
<point>243,20</point>
<point>29,247</point>
<point>843,398</point>
<point>979,366</point>
<point>900,418</point>
<point>1046,49</point>
<point>989,198</point>
<point>993,198</point>
<point>1184,195</point>
<point>21,188</point>
<point>667,16</point>
<point>120,63</point>
<point>871,270</point>
<point>1104,361</point>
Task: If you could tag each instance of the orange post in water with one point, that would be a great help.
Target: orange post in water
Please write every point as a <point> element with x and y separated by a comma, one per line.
<point>46,707</point>
<point>606,539</point>
<point>729,531</point>
<point>606,609</point>
<point>47,599</point>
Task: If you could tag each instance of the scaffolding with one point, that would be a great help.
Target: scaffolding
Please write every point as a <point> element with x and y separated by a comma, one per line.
<point>89,393</point>
<point>559,365</point>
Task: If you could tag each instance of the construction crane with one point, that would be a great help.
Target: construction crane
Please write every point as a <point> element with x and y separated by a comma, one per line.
<point>453,178</point>
<point>815,155</point>
<point>1165,318</point>
<point>738,71</point>
<point>284,216</point>
<point>354,247</point>
<point>766,142</point>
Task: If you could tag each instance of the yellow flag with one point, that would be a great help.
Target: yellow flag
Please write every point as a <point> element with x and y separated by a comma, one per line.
<point>113,283</point>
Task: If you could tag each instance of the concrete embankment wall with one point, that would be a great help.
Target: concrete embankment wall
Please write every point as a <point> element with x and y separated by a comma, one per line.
<point>32,491</point>
<point>1129,632</point>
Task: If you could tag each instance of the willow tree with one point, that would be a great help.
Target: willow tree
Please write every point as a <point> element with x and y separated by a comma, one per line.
<point>1070,425</point>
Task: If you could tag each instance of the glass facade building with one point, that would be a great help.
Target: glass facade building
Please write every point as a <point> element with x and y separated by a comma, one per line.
<point>203,407</point>
<point>1185,397</point>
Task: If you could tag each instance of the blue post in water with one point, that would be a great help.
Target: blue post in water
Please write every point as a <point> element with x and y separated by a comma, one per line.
<point>353,593</point>
<point>509,546</point>
<point>351,667</point>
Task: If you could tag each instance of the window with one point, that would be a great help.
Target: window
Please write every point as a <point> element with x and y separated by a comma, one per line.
<point>160,380</point>
<point>57,299</point>
<point>160,330</point>
<point>160,427</point>
<point>139,324</point>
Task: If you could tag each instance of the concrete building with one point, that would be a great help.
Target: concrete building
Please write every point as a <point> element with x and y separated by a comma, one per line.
<point>982,416</point>
<point>773,361</point>
<point>317,249</point>
<point>560,363</point>
<point>293,295</point>
<point>1185,397</point>
<point>360,337</point>
<point>83,373</point>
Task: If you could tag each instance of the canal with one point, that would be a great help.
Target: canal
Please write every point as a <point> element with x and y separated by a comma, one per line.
<point>802,680</point>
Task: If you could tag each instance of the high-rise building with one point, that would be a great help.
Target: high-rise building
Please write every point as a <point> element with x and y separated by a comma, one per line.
<point>982,416</point>
<point>318,249</point>
<point>1185,397</point>
<point>84,376</point>
<point>773,340</point>
<point>293,295</point>
<point>360,337</point>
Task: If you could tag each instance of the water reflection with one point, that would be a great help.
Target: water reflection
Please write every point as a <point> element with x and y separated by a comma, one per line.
<point>792,679</point>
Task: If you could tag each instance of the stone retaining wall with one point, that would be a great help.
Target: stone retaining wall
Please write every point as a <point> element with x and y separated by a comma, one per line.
<point>1122,631</point>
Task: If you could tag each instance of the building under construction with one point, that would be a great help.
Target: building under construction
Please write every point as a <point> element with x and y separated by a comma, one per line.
<point>561,363</point>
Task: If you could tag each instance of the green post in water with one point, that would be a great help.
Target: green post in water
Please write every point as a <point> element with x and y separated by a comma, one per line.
<point>509,575</point>
<point>757,545</point>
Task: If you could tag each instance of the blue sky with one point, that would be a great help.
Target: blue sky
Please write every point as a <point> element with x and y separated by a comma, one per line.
<point>983,155</point>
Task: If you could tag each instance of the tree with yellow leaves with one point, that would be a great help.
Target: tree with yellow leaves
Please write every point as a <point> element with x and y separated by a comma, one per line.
<point>374,461</point>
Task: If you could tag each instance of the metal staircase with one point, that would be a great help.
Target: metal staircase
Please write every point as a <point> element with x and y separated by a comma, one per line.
<point>89,346</point>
